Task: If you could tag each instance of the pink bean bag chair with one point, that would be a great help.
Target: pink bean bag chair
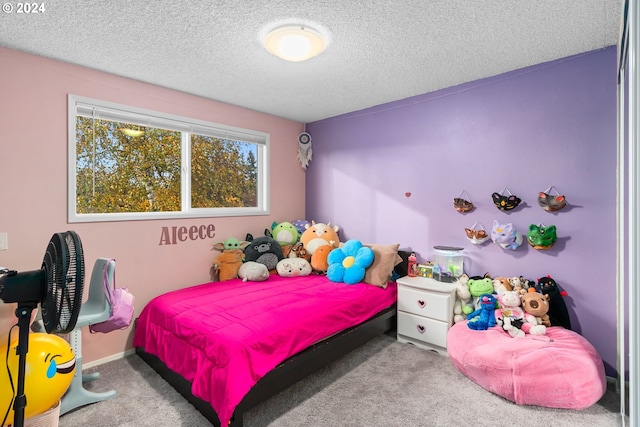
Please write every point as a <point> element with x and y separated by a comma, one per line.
<point>558,370</point>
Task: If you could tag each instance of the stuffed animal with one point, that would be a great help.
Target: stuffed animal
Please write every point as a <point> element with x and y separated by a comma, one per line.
<point>293,267</point>
<point>230,243</point>
<point>506,236</point>
<point>253,271</point>
<point>301,225</point>
<point>501,284</point>
<point>483,318</point>
<point>315,238</point>
<point>520,285</point>
<point>264,250</point>
<point>537,305</point>
<point>320,259</point>
<point>558,313</point>
<point>298,251</point>
<point>513,318</point>
<point>462,298</point>
<point>227,264</point>
<point>478,286</point>
<point>284,233</point>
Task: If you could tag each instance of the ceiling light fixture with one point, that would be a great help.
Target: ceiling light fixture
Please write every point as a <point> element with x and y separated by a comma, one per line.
<point>134,133</point>
<point>295,42</point>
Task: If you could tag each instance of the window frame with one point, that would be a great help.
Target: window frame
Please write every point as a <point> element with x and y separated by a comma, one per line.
<point>79,105</point>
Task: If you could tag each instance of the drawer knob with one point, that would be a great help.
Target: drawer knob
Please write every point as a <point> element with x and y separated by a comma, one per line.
<point>421,329</point>
<point>421,303</point>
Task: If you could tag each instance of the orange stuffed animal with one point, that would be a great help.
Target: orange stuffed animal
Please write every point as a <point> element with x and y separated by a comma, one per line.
<point>318,239</point>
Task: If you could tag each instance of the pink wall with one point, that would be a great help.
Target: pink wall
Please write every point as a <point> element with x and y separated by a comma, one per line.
<point>33,183</point>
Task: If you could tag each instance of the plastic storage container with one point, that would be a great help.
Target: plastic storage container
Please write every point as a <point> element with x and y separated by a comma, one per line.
<point>447,263</point>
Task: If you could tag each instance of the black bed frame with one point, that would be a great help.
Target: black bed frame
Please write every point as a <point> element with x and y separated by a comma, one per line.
<point>288,372</point>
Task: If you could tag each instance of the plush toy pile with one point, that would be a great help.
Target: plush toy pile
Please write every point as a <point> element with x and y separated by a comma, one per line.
<point>300,248</point>
<point>518,343</point>
<point>521,306</point>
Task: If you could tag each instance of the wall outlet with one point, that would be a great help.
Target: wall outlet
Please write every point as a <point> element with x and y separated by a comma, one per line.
<point>4,243</point>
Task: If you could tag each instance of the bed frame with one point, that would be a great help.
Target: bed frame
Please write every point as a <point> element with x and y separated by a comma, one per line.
<point>288,372</point>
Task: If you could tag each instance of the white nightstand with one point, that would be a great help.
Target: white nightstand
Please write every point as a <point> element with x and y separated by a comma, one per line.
<point>425,312</point>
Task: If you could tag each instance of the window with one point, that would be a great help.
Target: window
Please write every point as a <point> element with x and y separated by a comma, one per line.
<point>127,163</point>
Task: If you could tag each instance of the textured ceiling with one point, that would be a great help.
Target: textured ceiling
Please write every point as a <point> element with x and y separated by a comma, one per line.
<point>380,51</point>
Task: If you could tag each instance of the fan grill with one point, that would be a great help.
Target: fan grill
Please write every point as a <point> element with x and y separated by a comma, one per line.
<point>63,265</point>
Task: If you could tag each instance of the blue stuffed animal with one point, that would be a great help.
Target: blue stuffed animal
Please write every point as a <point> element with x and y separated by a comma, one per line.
<point>484,317</point>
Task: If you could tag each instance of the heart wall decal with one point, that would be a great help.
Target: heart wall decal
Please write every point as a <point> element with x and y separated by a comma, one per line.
<point>407,194</point>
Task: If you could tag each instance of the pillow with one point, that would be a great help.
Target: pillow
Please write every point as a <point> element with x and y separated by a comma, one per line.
<point>348,263</point>
<point>385,258</point>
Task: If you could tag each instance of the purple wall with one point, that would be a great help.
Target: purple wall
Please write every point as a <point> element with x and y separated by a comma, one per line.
<point>389,174</point>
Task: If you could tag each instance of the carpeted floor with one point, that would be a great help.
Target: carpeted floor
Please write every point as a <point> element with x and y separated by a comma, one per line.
<point>384,383</point>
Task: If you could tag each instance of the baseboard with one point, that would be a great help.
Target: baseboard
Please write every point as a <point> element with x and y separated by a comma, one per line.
<point>108,359</point>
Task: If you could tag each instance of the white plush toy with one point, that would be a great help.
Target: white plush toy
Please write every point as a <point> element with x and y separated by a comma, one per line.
<point>293,267</point>
<point>253,271</point>
<point>462,298</point>
<point>512,317</point>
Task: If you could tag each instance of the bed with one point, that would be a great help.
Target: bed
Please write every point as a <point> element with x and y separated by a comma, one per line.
<point>227,346</point>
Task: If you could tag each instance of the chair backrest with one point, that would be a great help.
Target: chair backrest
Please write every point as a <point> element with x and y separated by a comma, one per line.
<point>96,308</point>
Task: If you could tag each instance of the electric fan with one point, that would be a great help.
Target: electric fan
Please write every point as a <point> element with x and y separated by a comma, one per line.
<point>57,287</point>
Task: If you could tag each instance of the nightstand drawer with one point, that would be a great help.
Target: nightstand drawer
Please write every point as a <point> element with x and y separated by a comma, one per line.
<point>430,304</point>
<point>423,329</point>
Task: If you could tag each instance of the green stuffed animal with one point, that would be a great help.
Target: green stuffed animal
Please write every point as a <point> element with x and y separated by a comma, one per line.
<point>230,244</point>
<point>478,286</point>
<point>227,264</point>
<point>284,233</point>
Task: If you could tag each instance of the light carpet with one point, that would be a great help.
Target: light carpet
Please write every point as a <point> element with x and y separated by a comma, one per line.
<point>383,383</point>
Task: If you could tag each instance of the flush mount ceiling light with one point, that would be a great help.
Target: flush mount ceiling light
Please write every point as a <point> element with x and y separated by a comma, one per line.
<point>134,133</point>
<point>295,42</point>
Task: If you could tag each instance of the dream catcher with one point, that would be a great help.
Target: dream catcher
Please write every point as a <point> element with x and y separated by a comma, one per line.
<point>304,149</point>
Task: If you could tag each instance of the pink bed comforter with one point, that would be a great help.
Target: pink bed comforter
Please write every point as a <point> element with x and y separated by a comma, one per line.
<point>224,336</point>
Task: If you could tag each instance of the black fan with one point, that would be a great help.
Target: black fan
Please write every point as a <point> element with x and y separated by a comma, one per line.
<point>57,287</point>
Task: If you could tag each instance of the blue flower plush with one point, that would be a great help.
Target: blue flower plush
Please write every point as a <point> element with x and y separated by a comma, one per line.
<point>348,263</point>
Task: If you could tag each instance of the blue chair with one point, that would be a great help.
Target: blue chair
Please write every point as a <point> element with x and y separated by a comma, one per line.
<point>95,310</point>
